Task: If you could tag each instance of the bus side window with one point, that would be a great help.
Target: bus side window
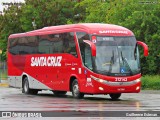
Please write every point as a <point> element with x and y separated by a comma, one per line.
<point>23,45</point>
<point>45,45</point>
<point>72,44</point>
<point>13,47</point>
<point>29,45</point>
<point>82,36</point>
<point>50,44</point>
<point>57,46</point>
<point>69,45</point>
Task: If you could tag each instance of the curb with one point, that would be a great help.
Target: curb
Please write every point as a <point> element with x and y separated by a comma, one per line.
<point>4,85</point>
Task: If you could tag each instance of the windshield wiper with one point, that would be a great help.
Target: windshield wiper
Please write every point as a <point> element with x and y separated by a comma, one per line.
<point>125,60</point>
<point>112,62</point>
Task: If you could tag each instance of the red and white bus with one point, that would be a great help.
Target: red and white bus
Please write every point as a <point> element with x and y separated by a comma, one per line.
<point>88,58</point>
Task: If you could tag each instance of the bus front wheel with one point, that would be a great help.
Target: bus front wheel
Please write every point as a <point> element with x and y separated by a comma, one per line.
<point>75,90</point>
<point>115,96</point>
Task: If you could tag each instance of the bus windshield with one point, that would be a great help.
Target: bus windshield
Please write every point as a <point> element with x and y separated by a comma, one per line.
<point>116,56</point>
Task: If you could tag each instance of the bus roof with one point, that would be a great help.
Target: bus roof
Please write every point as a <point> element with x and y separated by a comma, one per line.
<point>91,28</point>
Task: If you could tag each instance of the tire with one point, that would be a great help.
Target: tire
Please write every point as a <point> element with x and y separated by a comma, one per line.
<point>58,93</point>
<point>115,96</point>
<point>26,88</point>
<point>33,91</point>
<point>75,90</point>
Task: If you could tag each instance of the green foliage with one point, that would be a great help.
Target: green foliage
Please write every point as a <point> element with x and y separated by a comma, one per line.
<point>46,13</point>
<point>151,82</point>
<point>9,24</point>
<point>93,11</point>
<point>42,12</point>
<point>143,19</point>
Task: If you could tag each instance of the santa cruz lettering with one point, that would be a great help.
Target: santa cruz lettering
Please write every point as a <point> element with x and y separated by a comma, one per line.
<point>46,61</point>
<point>114,31</point>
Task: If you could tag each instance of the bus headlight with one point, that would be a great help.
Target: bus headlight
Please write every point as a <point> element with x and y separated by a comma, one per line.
<point>98,79</point>
<point>138,80</point>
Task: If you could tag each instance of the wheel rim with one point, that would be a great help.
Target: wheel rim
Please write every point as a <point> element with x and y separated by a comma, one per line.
<point>76,89</point>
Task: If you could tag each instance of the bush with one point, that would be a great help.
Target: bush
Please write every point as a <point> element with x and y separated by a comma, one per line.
<point>151,82</point>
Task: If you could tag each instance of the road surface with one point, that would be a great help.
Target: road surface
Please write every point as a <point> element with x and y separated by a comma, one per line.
<point>12,99</point>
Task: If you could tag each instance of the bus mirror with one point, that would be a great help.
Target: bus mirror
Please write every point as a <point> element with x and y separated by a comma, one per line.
<point>145,47</point>
<point>92,45</point>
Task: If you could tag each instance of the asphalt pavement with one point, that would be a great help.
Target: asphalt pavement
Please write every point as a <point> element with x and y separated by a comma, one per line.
<point>92,106</point>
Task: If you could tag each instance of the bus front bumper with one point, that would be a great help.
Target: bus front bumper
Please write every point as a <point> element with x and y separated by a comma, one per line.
<point>100,86</point>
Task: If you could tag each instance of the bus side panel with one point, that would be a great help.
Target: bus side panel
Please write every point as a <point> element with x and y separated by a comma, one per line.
<point>41,69</point>
<point>69,67</point>
<point>36,84</point>
<point>15,69</point>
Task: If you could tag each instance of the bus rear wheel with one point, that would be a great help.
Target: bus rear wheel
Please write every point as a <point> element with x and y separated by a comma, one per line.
<point>26,88</point>
<point>115,96</point>
<point>75,90</point>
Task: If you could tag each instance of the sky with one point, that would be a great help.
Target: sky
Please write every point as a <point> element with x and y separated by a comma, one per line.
<point>8,1</point>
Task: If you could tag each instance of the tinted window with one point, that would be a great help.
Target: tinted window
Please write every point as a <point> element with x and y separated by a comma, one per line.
<point>44,44</point>
<point>50,44</point>
<point>85,49</point>
<point>25,45</point>
<point>82,36</point>
<point>69,45</point>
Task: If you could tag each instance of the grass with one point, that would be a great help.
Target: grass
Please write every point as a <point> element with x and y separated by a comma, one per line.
<point>3,75</point>
<point>151,82</point>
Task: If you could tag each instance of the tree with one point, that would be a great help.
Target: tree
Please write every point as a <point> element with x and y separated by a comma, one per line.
<point>46,13</point>
<point>18,19</point>
<point>9,24</point>
<point>143,19</point>
<point>93,11</point>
